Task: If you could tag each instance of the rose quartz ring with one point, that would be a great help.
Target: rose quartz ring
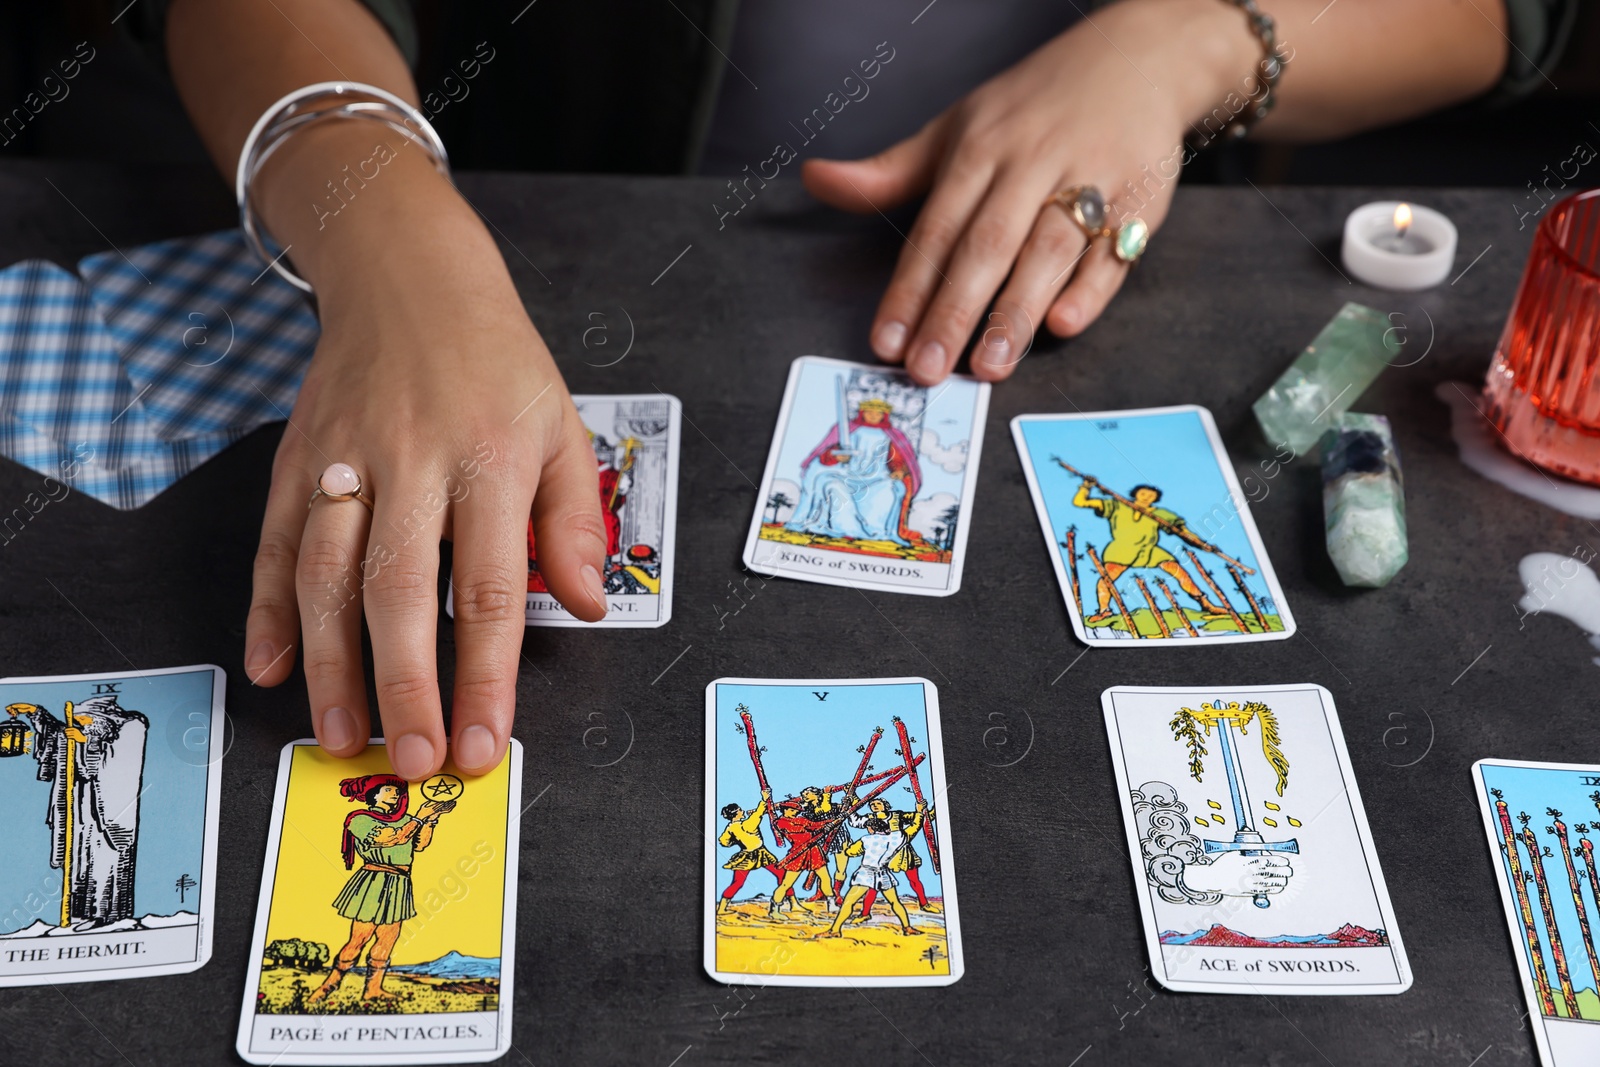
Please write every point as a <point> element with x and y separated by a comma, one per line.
<point>339,482</point>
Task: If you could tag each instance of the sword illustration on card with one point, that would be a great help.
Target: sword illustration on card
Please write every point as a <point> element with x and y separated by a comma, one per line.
<point>1191,727</point>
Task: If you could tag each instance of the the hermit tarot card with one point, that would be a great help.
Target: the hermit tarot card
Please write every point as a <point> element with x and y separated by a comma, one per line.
<point>110,789</point>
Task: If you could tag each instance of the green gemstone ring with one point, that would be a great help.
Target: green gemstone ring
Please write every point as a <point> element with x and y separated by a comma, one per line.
<point>1130,238</point>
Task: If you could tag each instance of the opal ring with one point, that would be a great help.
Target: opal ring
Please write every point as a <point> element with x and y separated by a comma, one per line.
<point>1129,239</point>
<point>1085,205</point>
<point>339,482</point>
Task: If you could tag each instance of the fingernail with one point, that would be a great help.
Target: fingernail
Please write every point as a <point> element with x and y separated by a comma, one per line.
<point>592,586</point>
<point>889,339</point>
<point>1069,317</point>
<point>998,353</point>
<point>475,748</point>
<point>260,659</point>
<point>411,755</point>
<point>338,729</point>
<point>929,360</point>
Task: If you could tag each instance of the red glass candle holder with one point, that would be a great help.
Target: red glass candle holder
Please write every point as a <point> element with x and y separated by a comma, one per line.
<point>1544,385</point>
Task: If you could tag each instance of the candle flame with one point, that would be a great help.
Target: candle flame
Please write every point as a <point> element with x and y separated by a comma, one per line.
<point>1402,219</point>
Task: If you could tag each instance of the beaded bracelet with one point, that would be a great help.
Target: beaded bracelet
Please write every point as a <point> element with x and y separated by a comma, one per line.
<point>307,106</point>
<point>1269,70</point>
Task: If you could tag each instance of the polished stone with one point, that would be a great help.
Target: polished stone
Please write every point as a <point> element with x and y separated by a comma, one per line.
<point>1327,377</point>
<point>1363,500</point>
<point>1131,237</point>
<point>340,479</point>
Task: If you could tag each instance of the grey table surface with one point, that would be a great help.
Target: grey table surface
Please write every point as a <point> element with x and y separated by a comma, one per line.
<point>1429,674</point>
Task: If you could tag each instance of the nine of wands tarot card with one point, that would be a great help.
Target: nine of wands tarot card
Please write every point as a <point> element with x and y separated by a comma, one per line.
<point>386,924</point>
<point>1150,536</point>
<point>870,479</point>
<point>1545,868</point>
<point>110,786</point>
<point>636,441</point>
<point>1255,867</point>
<point>828,858</point>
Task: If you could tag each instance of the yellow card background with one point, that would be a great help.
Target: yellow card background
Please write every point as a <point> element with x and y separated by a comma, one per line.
<point>458,882</point>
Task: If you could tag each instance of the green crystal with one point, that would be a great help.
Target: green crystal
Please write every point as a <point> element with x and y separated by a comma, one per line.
<point>1131,238</point>
<point>1363,500</point>
<point>1326,378</point>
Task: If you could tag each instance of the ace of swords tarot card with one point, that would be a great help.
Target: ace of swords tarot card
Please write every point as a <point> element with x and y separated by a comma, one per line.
<point>870,479</point>
<point>636,440</point>
<point>385,929</point>
<point>110,788</point>
<point>828,857</point>
<point>1149,534</point>
<point>1252,860</point>
<point>1542,820</point>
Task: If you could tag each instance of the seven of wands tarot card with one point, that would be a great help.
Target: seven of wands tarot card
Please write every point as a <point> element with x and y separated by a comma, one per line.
<point>1255,867</point>
<point>386,924</point>
<point>1150,536</point>
<point>110,792</point>
<point>1551,892</point>
<point>828,859</point>
<point>870,479</point>
<point>636,441</point>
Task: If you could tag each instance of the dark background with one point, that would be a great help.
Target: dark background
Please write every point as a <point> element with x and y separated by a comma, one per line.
<point>128,111</point>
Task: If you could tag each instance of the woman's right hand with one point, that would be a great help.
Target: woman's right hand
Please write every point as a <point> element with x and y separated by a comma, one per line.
<point>432,383</point>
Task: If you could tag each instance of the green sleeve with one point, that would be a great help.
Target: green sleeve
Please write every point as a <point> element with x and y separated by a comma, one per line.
<point>1538,32</point>
<point>363,827</point>
<point>147,21</point>
<point>1168,516</point>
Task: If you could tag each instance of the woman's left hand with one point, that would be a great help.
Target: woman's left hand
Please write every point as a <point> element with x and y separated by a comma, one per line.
<point>1106,103</point>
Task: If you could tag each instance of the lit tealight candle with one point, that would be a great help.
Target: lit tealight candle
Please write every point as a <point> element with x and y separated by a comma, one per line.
<point>1398,246</point>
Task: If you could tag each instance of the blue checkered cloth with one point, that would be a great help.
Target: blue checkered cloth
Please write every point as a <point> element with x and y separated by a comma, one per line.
<point>212,339</point>
<point>169,354</point>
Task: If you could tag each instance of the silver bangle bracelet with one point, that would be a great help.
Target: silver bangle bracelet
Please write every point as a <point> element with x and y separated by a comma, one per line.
<point>305,107</point>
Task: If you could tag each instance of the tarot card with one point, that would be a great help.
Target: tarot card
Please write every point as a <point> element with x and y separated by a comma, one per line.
<point>1548,884</point>
<point>636,441</point>
<point>1150,536</point>
<point>386,927</point>
<point>828,858</point>
<point>887,511</point>
<point>110,791</point>
<point>1255,868</point>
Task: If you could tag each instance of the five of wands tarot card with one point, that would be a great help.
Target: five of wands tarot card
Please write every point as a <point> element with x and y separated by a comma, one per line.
<point>110,784</point>
<point>1545,868</point>
<point>828,858</point>
<point>636,441</point>
<point>386,925</point>
<point>1255,867</point>
<point>870,479</point>
<point>1151,538</point>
